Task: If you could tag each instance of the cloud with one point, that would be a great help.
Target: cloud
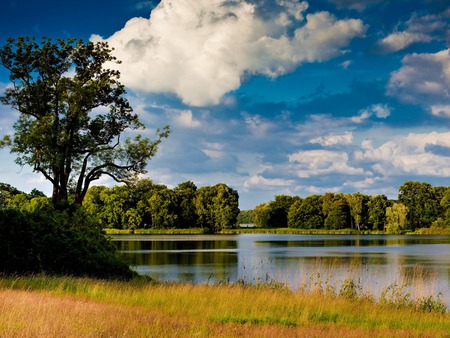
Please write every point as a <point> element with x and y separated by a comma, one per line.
<point>417,29</point>
<point>185,118</point>
<point>411,154</point>
<point>258,181</point>
<point>423,78</point>
<point>346,64</point>
<point>331,140</point>
<point>201,49</point>
<point>440,110</point>
<point>320,162</point>
<point>400,40</point>
<point>381,111</point>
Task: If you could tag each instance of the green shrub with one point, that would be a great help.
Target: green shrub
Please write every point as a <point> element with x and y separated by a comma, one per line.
<point>57,242</point>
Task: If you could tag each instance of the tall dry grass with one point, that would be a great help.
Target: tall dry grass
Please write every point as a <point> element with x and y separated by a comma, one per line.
<point>66,307</point>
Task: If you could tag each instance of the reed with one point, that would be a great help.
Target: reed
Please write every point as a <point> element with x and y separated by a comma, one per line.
<point>43,306</point>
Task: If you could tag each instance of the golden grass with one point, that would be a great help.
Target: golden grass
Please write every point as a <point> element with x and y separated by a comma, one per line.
<point>67,307</point>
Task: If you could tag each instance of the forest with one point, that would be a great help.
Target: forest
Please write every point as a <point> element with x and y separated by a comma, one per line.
<point>419,206</point>
<point>144,205</point>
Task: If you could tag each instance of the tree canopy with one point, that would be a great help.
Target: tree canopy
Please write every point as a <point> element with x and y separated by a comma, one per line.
<point>73,115</point>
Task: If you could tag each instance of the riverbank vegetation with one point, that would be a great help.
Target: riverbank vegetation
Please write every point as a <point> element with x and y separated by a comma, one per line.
<point>419,206</point>
<point>144,207</point>
<point>56,242</point>
<point>63,307</point>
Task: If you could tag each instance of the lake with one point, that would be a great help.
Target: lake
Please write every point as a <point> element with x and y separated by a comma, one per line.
<point>418,264</point>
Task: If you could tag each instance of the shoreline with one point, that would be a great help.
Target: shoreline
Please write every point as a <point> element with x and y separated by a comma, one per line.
<point>254,230</point>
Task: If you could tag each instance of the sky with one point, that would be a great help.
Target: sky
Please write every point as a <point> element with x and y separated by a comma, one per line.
<point>277,97</point>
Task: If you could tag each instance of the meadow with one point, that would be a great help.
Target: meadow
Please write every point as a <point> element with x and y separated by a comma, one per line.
<point>43,306</point>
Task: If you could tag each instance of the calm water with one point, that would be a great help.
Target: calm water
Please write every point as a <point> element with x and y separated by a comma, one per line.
<point>422,262</point>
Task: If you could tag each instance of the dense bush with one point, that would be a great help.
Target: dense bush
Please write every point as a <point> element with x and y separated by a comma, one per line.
<point>55,242</point>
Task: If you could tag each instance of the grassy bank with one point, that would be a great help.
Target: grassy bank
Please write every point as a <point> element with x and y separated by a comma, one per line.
<point>255,230</point>
<point>67,307</point>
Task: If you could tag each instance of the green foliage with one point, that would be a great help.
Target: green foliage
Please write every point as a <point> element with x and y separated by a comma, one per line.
<point>377,211</point>
<point>147,205</point>
<point>445,204</point>
<point>357,204</point>
<point>261,215</point>
<point>58,88</point>
<point>423,205</point>
<point>351,289</point>
<point>185,194</point>
<point>338,213</point>
<point>274,213</point>
<point>163,209</point>
<point>306,213</point>
<point>396,217</point>
<point>6,193</point>
<point>56,242</point>
<point>217,207</point>
<point>245,217</point>
<point>431,304</point>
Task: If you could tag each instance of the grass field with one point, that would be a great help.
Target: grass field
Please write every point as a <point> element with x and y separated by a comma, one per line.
<point>44,306</point>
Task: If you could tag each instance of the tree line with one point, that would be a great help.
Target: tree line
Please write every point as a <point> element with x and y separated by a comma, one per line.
<point>144,204</point>
<point>419,205</point>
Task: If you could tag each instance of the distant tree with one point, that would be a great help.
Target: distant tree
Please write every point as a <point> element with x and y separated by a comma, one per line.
<point>60,90</point>
<point>185,194</point>
<point>6,192</point>
<point>141,191</point>
<point>423,207</point>
<point>306,213</point>
<point>115,203</point>
<point>357,203</point>
<point>338,216</point>
<point>261,215</point>
<point>327,203</point>
<point>163,208</point>
<point>377,211</point>
<point>246,217</point>
<point>396,217</point>
<point>279,210</point>
<point>36,193</point>
<point>439,193</point>
<point>217,207</point>
<point>226,206</point>
<point>445,204</point>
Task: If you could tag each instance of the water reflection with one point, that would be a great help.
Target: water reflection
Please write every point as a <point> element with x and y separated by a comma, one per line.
<point>375,261</point>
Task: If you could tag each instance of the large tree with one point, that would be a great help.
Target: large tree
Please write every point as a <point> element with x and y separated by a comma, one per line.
<point>421,202</point>
<point>73,114</point>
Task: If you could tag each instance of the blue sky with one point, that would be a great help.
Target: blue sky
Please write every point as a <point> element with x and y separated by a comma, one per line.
<point>269,97</point>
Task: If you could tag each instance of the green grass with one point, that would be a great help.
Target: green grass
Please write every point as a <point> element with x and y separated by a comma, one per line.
<point>193,231</point>
<point>258,230</point>
<point>255,230</point>
<point>64,306</point>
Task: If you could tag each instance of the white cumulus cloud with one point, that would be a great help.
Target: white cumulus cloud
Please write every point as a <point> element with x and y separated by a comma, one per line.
<point>330,140</point>
<point>381,111</point>
<point>258,180</point>
<point>319,162</point>
<point>418,29</point>
<point>423,79</point>
<point>200,49</point>
<point>185,118</point>
<point>410,154</point>
<point>440,110</point>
